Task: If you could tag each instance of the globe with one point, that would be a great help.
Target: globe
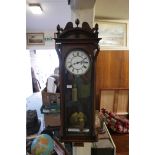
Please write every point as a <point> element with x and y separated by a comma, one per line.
<point>42,145</point>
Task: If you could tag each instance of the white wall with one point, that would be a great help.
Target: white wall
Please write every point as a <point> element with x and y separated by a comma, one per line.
<point>44,62</point>
<point>28,80</point>
<point>84,15</point>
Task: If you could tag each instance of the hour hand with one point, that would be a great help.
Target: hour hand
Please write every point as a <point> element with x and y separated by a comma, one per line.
<point>70,66</point>
<point>76,62</point>
<point>80,62</point>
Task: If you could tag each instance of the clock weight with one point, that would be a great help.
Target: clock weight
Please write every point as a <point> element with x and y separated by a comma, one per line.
<point>74,93</point>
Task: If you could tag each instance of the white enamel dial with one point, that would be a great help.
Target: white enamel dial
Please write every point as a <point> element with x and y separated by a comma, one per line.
<point>77,62</point>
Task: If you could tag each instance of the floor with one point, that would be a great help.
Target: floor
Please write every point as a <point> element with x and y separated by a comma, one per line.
<point>121,140</point>
<point>34,102</point>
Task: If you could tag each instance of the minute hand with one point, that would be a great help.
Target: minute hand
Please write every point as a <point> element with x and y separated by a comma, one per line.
<point>80,61</point>
<point>84,61</point>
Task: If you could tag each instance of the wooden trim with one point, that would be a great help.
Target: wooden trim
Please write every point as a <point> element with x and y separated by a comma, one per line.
<point>114,89</point>
<point>123,113</point>
<point>78,144</point>
<point>115,103</point>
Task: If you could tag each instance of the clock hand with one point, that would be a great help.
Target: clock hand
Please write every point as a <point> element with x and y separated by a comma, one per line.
<point>79,61</point>
<point>70,66</point>
<point>76,62</point>
<point>83,61</point>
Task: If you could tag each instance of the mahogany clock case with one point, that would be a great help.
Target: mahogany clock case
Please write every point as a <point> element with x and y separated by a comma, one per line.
<point>77,81</point>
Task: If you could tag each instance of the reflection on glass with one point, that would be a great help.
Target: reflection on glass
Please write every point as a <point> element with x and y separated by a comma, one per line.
<point>78,103</point>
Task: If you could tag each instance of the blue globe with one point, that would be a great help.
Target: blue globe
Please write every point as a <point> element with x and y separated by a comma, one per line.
<point>42,145</point>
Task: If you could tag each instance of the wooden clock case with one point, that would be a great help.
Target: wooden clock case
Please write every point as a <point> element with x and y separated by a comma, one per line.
<point>66,40</point>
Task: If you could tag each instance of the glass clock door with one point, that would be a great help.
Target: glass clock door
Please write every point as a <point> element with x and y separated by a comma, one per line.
<point>78,103</point>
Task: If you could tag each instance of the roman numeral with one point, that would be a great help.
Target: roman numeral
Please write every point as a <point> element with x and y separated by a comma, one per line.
<point>74,54</point>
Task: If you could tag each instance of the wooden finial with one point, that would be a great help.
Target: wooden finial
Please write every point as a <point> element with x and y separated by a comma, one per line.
<point>96,26</point>
<point>58,28</point>
<point>77,22</point>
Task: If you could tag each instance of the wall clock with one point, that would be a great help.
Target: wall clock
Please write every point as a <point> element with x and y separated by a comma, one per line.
<point>77,49</point>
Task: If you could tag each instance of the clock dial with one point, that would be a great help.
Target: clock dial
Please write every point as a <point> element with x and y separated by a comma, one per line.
<point>77,62</point>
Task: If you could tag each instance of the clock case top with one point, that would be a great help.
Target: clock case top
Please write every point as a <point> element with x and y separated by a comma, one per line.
<point>66,40</point>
